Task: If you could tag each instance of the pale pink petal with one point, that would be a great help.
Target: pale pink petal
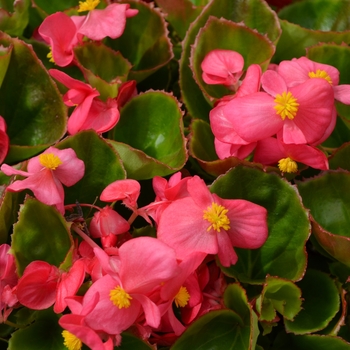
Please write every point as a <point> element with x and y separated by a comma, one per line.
<point>226,254</point>
<point>329,129</point>
<point>251,82</point>
<point>342,93</point>
<point>110,22</point>
<point>145,263</point>
<point>225,150</point>
<point>222,67</point>
<point>273,83</point>
<point>253,116</point>
<point>60,32</point>
<point>9,170</point>
<point>268,151</point>
<point>150,309</point>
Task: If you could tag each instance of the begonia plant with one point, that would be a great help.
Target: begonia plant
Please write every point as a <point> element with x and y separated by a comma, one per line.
<point>174,174</point>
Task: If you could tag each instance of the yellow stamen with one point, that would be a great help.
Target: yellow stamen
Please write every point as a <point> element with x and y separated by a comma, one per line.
<point>71,341</point>
<point>50,57</point>
<point>182,297</point>
<point>87,5</point>
<point>120,298</point>
<point>216,215</point>
<point>321,74</point>
<point>286,105</point>
<point>288,165</point>
<point>50,161</point>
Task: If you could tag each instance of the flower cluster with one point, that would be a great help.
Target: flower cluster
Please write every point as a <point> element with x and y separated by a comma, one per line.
<point>282,114</point>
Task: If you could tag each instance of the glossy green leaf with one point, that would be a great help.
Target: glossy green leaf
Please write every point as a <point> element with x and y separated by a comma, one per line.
<point>106,77</point>
<point>102,166</point>
<point>278,295</point>
<point>295,40</point>
<point>228,35</point>
<point>14,17</point>
<point>220,329</point>
<point>151,130</point>
<point>283,254</point>
<point>308,342</point>
<point>318,309</point>
<point>131,342</point>
<point>43,334</point>
<point>41,233</point>
<point>323,15</point>
<point>326,197</point>
<point>254,13</point>
<point>30,103</point>
<point>144,43</point>
<point>180,14</point>
<point>341,158</point>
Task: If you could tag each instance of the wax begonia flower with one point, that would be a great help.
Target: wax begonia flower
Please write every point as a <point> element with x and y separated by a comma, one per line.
<point>227,142</point>
<point>89,112</point>
<point>271,151</point>
<point>8,282</point>
<point>206,223</point>
<point>107,224</point>
<point>111,21</point>
<point>60,32</point>
<point>145,263</point>
<point>4,140</point>
<point>222,67</point>
<point>46,173</point>
<point>299,114</point>
<point>43,285</point>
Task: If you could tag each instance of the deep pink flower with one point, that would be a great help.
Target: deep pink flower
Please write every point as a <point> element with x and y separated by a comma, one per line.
<point>46,173</point>
<point>206,223</point>
<point>299,114</point>
<point>145,264</point>
<point>111,21</point>
<point>107,224</point>
<point>4,140</point>
<point>60,32</point>
<point>271,151</point>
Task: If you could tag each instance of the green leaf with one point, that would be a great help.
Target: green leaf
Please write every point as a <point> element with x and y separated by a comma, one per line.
<point>341,158</point>
<point>144,43</point>
<point>225,34</point>
<point>318,309</point>
<point>308,342</point>
<point>106,77</point>
<point>278,295</point>
<point>43,334</point>
<point>255,14</point>
<point>41,233</point>
<point>30,102</point>
<point>222,329</point>
<point>326,197</point>
<point>295,40</point>
<point>283,254</point>
<point>14,18</point>
<point>130,342</point>
<point>5,56</point>
<point>150,136</point>
<point>102,166</point>
<point>323,15</point>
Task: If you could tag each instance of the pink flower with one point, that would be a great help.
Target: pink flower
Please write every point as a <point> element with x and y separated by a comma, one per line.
<point>4,140</point>
<point>222,67</point>
<point>206,223</point>
<point>145,264</point>
<point>299,114</point>
<point>107,224</point>
<point>111,21</point>
<point>60,32</point>
<point>271,151</point>
<point>46,174</point>
<point>89,112</point>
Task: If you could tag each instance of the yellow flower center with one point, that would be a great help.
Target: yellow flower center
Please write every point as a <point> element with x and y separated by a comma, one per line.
<point>216,215</point>
<point>71,341</point>
<point>50,161</point>
<point>182,297</point>
<point>286,105</point>
<point>321,74</point>
<point>120,298</point>
<point>50,57</point>
<point>288,165</point>
<point>87,5</point>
